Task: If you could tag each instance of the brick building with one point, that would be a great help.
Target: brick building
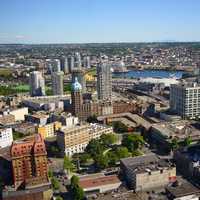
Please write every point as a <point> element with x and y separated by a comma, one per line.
<point>29,162</point>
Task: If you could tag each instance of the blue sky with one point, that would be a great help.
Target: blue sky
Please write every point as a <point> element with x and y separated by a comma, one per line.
<point>82,21</point>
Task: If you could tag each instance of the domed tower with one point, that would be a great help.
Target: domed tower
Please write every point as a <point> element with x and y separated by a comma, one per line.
<point>77,98</point>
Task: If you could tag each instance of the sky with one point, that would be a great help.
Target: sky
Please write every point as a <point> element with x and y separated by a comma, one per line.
<point>91,21</point>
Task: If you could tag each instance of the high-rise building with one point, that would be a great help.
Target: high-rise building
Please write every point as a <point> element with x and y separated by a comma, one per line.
<point>56,65</point>
<point>64,65</point>
<point>185,99</point>
<point>71,63</point>
<point>86,62</point>
<point>104,81</point>
<point>57,83</point>
<point>78,60</point>
<point>79,74</point>
<point>37,84</point>
<point>29,162</point>
<point>77,98</point>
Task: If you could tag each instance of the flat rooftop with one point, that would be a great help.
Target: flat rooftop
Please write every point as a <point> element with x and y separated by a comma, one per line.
<point>145,163</point>
<point>99,181</point>
<point>177,129</point>
<point>182,189</point>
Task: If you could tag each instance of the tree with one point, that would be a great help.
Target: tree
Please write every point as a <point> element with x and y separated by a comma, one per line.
<point>112,158</point>
<point>67,165</point>
<point>101,161</point>
<point>50,174</point>
<point>133,142</point>
<point>174,144</point>
<point>119,127</point>
<point>55,183</point>
<point>187,141</point>
<point>94,148</point>
<point>92,119</point>
<point>108,139</point>
<point>122,152</point>
<point>78,193</point>
<point>84,157</point>
<point>76,190</point>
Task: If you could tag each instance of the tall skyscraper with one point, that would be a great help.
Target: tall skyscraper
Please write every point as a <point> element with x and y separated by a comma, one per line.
<point>37,84</point>
<point>78,60</point>
<point>71,63</point>
<point>56,67</point>
<point>64,65</point>
<point>79,74</point>
<point>29,162</point>
<point>57,83</point>
<point>77,98</point>
<point>104,81</point>
<point>86,62</point>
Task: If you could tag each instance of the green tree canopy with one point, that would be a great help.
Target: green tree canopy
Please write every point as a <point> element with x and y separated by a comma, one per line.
<point>67,164</point>
<point>77,191</point>
<point>108,139</point>
<point>55,183</point>
<point>94,148</point>
<point>132,142</point>
<point>122,152</point>
<point>187,141</point>
<point>101,161</point>
<point>119,127</point>
<point>174,144</point>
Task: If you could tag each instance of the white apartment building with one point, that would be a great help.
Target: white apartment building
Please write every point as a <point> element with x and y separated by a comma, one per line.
<point>6,137</point>
<point>185,99</point>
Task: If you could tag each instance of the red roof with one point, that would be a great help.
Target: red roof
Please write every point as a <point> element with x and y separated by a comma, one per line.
<point>100,181</point>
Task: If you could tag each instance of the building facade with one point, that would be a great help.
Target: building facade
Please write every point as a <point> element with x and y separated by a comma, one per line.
<point>73,140</point>
<point>49,130</point>
<point>6,137</point>
<point>37,84</point>
<point>146,172</point>
<point>185,100</point>
<point>29,162</point>
<point>104,81</point>
<point>57,83</point>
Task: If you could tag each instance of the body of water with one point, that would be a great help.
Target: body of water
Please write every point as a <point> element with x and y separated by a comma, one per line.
<point>149,73</point>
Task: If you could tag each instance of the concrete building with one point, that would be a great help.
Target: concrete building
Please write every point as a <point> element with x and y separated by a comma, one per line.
<point>185,100</point>
<point>78,63</point>
<point>86,62</point>
<point>7,120</point>
<point>147,172</point>
<point>37,84</point>
<point>49,130</point>
<point>37,118</point>
<point>64,65</point>
<point>56,67</point>
<point>47,103</point>
<point>79,74</point>
<point>73,140</point>
<point>26,128</point>
<point>66,119</point>
<point>99,183</point>
<point>182,191</point>
<point>6,137</point>
<point>71,63</point>
<point>104,81</point>
<point>96,130</point>
<point>57,83</point>
<point>188,162</point>
<point>19,113</point>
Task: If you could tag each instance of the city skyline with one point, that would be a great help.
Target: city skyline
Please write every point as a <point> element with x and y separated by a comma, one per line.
<point>94,21</point>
